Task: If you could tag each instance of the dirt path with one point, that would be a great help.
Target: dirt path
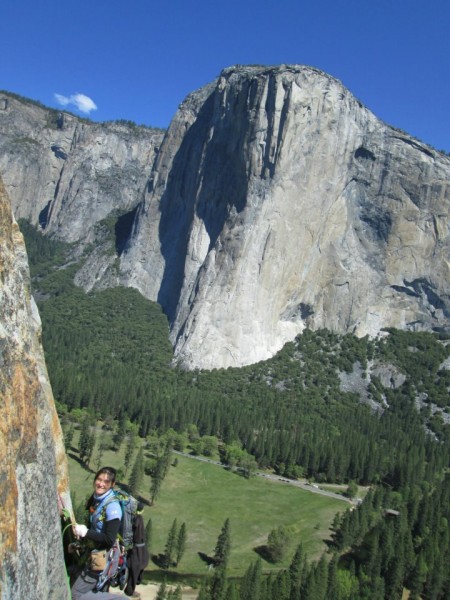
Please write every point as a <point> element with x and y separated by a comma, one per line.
<point>149,591</point>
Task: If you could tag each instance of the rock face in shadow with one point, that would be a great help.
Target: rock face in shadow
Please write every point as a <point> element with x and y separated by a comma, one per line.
<point>279,202</point>
<point>33,469</point>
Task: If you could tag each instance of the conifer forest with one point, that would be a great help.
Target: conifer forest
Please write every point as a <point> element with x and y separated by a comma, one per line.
<point>328,408</point>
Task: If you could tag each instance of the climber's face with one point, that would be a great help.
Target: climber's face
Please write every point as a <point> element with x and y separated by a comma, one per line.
<point>102,484</point>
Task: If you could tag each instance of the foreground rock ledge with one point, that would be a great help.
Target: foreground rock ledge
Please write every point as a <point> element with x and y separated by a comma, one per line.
<point>33,470</point>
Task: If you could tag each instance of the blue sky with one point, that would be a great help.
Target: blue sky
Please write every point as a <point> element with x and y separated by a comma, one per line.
<point>138,59</point>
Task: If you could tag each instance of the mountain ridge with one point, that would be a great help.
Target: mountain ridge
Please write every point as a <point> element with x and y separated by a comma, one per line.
<point>275,202</point>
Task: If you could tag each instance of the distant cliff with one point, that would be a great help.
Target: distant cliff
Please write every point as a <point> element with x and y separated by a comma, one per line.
<point>68,175</point>
<point>276,202</point>
<point>279,202</point>
<point>33,470</point>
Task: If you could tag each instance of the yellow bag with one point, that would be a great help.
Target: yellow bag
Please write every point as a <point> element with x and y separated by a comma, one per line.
<point>98,560</point>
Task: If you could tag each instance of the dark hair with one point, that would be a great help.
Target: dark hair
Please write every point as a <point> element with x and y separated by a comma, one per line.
<point>107,471</point>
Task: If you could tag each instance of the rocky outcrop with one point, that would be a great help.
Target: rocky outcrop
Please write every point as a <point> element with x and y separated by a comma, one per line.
<point>68,174</point>
<point>33,470</point>
<point>279,202</point>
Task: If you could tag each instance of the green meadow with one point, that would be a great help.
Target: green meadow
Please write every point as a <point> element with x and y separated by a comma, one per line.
<point>202,495</point>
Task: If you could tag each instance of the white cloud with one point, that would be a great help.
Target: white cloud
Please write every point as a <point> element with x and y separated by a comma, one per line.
<point>81,102</point>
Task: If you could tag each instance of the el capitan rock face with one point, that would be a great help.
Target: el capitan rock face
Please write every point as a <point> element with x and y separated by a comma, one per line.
<point>279,202</point>
<point>33,469</point>
<point>276,202</point>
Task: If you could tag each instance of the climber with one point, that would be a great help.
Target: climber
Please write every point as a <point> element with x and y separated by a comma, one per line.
<point>104,523</point>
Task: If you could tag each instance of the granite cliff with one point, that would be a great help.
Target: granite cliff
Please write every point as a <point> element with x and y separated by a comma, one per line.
<point>69,175</point>
<point>33,470</point>
<point>275,202</point>
<point>279,202</point>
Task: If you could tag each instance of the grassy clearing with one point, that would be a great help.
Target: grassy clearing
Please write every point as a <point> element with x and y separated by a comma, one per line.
<point>203,495</point>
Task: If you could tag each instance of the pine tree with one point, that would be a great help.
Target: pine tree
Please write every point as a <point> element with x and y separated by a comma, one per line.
<point>120,433</point>
<point>277,543</point>
<point>162,592</point>
<point>232,592</point>
<point>251,582</point>
<point>221,556</point>
<point>91,439</point>
<point>394,575</point>
<point>131,445</point>
<point>181,542</point>
<point>248,465</point>
<point>352,490</point>
<point>161,469</point>
<point>100,450</point>
<point>281,586</point>
<point>218,584</point>
<point>438,585</point>
<point>175,594</point>
<point>297,571</point>
<point>84,439</point>
<point>204,593</point>
<point>137,473</point>
<point>321,579</point>
<point>419,576</point>
<point>333,592</point>
<point>267,588</point>
<point>170,547</point>
<point>166,459</point>
<point>155,486</point>
<point>308,587</point>
<point>223,545</point>
<point>68,436</point>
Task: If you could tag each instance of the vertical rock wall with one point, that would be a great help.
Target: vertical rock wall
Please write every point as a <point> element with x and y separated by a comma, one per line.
<point>74,178</point>
<point>277,203</point>
<point>33,469</point>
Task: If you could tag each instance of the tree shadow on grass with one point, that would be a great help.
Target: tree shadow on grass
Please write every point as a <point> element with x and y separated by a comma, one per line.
<point>331,544</point>
<point>209,560</point>
<point>80,462</point>
<point>144,501</point>
<point>264,553</point>
<point>170,576</point>
<point>160,560</point>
